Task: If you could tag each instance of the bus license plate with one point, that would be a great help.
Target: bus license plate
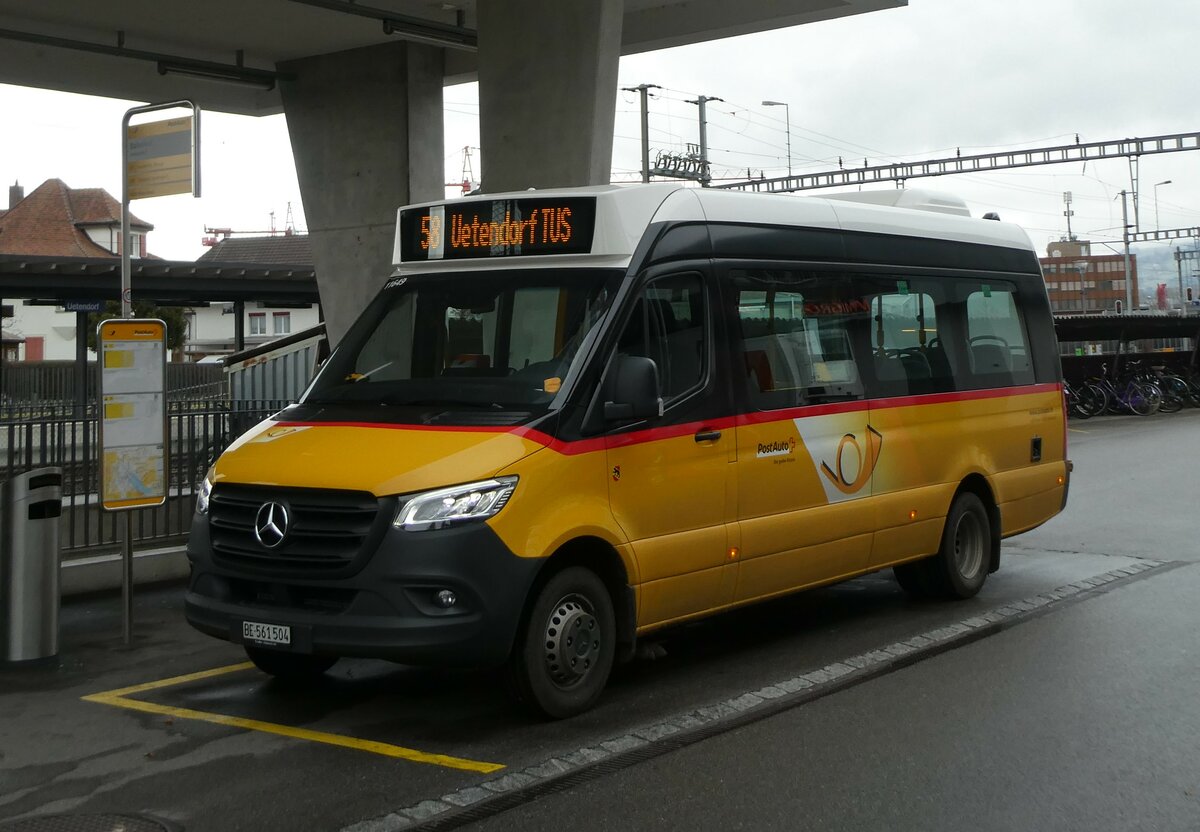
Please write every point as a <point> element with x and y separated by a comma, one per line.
<point>266,633</point>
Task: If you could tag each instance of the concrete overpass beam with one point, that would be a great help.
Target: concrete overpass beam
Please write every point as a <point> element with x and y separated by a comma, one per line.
<point>547,92</point>
<point>367,136</point>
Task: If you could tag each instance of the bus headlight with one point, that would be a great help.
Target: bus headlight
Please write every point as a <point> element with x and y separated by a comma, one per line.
<point>458,504</point>
<point>204,492</point>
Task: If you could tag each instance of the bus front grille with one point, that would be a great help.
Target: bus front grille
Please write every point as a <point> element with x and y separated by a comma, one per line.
<point>293,531</point>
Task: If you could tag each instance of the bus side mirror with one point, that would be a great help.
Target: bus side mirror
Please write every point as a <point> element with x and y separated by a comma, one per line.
<point>632,389</point>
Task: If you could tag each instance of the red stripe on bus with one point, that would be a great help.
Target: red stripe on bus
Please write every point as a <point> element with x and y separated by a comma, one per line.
<point>966,395</point>
<point>395,426</point>
<point>639,437</point>
<point>763,417</point>
<point>808,411</point>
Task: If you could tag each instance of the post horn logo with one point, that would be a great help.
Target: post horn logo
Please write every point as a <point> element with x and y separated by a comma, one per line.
<point>866,462</point>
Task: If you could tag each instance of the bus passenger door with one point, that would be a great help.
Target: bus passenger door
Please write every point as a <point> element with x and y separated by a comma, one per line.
<point>805,450</point>
<point>670,487</point>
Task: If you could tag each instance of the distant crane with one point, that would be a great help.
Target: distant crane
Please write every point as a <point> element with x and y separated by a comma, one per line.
<point>212,236</point>
<point>468,183</point>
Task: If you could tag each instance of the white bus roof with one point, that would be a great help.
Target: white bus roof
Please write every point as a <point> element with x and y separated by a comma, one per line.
<point>623,213</point>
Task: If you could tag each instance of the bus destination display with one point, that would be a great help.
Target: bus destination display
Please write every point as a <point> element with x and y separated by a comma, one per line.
<point>498,228</point>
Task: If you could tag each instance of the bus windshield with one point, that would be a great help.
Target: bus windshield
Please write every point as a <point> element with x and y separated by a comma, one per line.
<point>488,340</point>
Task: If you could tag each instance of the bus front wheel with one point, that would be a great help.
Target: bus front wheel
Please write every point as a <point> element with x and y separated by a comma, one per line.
<point>566,647</point>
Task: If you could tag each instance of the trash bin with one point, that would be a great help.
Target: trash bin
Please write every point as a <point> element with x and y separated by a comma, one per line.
<point>30,506</point>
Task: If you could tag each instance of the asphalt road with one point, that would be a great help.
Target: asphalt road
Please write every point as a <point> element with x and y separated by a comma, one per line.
<point>1063,697</point>
<point>1085,718</point>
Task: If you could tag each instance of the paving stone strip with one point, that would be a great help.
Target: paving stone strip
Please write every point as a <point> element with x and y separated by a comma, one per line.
<point>708,719</point>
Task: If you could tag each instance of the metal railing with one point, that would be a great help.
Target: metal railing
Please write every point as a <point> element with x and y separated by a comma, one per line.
<point>32,382</point>
<point>66,436</point>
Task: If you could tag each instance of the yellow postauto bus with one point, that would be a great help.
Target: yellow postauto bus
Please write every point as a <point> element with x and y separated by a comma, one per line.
<point>572,418</point>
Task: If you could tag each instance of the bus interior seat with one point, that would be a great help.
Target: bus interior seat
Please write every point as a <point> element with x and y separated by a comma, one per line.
<point>472,360</point>
<point>672,345</point>
<point>916,365</point>
<point>662,322</point>
<point>989,358</point>
<point>939,362</point>
<point>758,367</point>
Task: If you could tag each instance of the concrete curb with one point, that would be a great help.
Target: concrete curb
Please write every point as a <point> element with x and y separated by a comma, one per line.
<point>100,573</point>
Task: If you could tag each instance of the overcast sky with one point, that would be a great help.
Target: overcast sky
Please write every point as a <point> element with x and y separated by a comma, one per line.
<point>905,84</point>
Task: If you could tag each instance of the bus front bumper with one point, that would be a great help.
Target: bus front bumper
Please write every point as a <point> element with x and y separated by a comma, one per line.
<point>393,608</point>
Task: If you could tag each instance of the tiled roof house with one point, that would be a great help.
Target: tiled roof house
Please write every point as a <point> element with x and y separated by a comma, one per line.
<point>56,220</point>
<point>60,221</point>
<point>282,249</point>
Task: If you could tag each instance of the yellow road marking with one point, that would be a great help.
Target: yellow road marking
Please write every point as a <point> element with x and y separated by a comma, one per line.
<point>174,680</point>
<point>120,699</point>
<point>1077,430</point>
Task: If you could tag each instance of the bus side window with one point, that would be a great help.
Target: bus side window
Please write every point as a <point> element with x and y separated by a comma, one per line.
<point>669,326</point>
<point>794,337</point>
<point>997,346</point>
<point>909,349</point>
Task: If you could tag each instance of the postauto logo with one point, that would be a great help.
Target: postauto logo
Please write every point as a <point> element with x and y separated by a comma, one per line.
<point>781,447</point>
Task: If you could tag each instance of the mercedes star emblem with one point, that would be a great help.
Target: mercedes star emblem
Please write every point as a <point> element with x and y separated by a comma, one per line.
<point>271,524</point>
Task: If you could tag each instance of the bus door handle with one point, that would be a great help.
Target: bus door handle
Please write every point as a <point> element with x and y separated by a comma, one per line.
<point>708,435</point>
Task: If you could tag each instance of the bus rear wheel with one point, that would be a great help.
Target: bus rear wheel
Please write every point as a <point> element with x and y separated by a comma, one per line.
<point>292,667</point>
<point>565,650</point>
<point>960,566</point>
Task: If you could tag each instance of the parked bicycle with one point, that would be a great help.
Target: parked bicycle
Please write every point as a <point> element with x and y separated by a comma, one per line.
<point>1129,394</point>
<point>1084,400</point>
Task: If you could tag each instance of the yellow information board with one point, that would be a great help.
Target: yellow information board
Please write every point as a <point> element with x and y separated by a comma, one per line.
<point>160,158</point>
<point>133,414</point>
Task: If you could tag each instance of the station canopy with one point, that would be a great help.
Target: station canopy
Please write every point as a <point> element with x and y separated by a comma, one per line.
<point>142,51</point>
<point>165,282</point>
<point>1132,327</point>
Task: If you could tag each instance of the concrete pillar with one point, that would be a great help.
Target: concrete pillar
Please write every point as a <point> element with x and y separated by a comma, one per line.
<point>366,132</point>
<point>547,92</point>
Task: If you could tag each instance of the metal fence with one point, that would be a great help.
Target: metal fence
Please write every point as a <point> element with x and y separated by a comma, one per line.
<point>66,436</point>
<point>32,382</point>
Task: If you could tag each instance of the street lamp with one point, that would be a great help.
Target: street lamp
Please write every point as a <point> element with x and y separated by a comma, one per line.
<point>1156,184</point>
<point>787,120</point>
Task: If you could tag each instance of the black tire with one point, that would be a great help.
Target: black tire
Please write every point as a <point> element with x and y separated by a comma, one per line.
<point>1079,409</point>
<point>1144,399</point>
<point>295,667</point>
<point>553,671</point>
<point>916,579</point>
<point>1170,403</point>
<point>1094,398</point>
<point>961,564</point>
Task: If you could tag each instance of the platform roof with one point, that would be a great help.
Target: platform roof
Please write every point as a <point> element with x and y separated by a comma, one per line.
<point>162,281</point>
<point>1133,327</point>
<point>119,48</point>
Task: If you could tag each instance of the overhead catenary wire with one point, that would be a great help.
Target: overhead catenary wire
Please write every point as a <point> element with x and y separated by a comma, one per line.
<point>753,138</point>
